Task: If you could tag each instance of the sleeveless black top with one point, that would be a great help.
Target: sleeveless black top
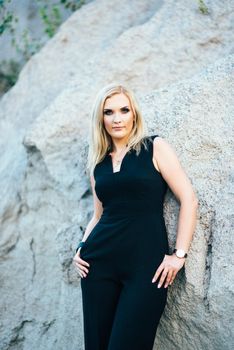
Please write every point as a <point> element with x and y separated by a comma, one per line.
<point>138,183</point>
<point>132,221</point>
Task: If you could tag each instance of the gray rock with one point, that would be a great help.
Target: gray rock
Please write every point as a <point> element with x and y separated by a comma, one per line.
<point>197,120</point>
<point>181,71</point>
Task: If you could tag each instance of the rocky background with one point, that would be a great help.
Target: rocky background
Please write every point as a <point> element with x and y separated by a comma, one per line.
<point>178,58</point>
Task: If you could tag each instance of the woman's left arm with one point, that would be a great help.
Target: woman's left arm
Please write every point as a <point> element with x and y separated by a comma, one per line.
<point>176,178</point>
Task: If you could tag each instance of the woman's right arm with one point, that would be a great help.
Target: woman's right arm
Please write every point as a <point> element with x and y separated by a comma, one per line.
<point>80,264</point>
<point>97,212</point>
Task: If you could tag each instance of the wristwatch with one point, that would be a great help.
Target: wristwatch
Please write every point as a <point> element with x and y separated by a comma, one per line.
<point>80,245</point>
<point>180,253</point>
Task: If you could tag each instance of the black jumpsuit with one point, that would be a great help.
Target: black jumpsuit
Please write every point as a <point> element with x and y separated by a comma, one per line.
<point>121,305</point>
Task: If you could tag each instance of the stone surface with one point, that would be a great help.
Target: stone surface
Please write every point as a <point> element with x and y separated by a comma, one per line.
<point>27,13</point>
<point>197,120</point>
<point>180,65</point>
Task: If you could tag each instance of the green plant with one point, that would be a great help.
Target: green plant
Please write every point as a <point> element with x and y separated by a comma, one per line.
<point>51,18</point>
<point>202,7</point>
<point>72,5</point>
<point>7,18</point>
<point>9,73</point>
<point>24,44</point>
<point>51,15</point>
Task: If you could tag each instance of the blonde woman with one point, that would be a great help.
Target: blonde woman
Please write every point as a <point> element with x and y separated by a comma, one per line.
<point>123,258</point>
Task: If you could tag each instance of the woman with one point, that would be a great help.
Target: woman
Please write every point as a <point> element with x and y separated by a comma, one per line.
<point>123,258</point>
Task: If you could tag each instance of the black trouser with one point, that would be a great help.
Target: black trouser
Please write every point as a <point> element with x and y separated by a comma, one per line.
<point>121,313</point>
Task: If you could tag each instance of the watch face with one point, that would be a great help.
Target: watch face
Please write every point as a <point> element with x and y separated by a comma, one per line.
<point>180,253</point>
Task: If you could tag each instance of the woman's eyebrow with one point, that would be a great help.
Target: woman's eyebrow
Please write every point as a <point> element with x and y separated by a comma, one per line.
<point>108,109</point>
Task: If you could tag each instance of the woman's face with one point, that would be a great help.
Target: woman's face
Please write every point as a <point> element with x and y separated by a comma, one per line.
<point>118,116</point>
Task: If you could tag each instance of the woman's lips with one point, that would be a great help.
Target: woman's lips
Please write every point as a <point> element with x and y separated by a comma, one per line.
<point>118,128</point>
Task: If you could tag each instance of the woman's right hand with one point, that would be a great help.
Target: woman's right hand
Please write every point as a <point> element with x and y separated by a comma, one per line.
<point>80,264</point>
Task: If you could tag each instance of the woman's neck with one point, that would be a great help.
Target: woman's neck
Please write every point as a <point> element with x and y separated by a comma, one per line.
<point>119,145</point>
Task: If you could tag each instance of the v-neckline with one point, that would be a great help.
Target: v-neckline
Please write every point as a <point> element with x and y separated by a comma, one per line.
<point>121,164</point>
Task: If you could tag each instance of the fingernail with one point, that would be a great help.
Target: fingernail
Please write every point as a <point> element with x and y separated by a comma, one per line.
<point>153,280</point>
<point>159,285</point>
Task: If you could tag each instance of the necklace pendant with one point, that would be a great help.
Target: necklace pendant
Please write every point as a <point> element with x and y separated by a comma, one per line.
<point>117,163</point>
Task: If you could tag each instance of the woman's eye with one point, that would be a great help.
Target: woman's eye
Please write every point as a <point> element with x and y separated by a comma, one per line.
<point>107,112</point>
<point>126,110</point>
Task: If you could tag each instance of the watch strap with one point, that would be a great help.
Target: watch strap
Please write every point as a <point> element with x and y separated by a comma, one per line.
<point>81,243</point>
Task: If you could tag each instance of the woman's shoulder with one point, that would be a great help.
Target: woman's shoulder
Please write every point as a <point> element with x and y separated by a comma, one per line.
<point>153,137</point>
<point>157,141</point>
<point>162,145</point>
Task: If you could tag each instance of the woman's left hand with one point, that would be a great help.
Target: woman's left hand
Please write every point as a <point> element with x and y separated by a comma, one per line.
<point>170,265</point>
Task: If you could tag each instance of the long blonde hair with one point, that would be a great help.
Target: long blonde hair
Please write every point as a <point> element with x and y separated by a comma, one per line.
<point>99,140</point>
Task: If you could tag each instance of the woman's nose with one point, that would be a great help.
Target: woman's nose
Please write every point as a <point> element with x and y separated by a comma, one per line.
<point>117,117</point>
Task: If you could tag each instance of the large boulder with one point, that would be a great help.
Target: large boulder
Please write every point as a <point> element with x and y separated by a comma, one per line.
<point>180,69</point>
